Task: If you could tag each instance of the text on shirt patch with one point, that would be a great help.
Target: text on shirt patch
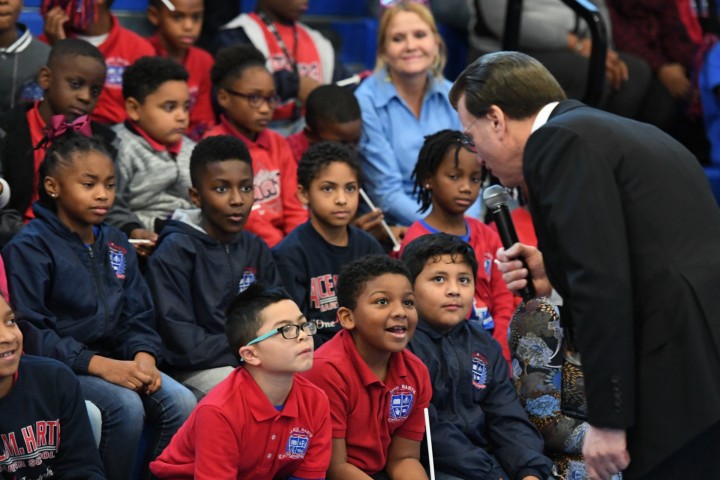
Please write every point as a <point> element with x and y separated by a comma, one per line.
<point>402,399</point>
<point>41,442</point>
<point>266,185</point>
<point>322,293</point>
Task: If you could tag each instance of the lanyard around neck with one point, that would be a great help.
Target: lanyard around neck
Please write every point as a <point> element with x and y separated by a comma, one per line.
<point>271,26</point>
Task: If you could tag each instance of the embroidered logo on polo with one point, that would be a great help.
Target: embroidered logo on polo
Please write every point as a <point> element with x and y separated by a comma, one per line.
<point>115,68</point>
<point>297,444</point>
<point>248,278</point>
<point>402,399</point>
<point>117,259</point>
<point>488,262</point>
<point>479,371</point>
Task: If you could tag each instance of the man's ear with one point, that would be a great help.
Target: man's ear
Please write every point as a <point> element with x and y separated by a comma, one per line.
<point>248,356</point>
<point>195,197</point>
<point>132,108</point>
<point>44,77</point>
<point>498,120</point>
<point>153,16</point>
<point>302,195</point>
<point>346,318</point>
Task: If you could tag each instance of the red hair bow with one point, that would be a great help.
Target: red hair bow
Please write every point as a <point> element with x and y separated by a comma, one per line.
<point>58,126</point>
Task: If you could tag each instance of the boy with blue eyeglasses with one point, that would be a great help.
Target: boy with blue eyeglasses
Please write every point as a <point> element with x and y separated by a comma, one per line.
<point>263,421</point>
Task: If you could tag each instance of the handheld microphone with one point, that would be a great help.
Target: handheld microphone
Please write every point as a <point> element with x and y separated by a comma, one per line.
<point>496,198</point>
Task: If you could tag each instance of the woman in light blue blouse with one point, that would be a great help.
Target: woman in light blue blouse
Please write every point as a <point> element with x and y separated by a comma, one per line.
<point>402,102</point>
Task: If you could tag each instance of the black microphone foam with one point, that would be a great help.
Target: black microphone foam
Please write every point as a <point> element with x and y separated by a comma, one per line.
<point>496,198</point>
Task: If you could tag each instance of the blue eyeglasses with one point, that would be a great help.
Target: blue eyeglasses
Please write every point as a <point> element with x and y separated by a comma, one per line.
<point>288,332</point>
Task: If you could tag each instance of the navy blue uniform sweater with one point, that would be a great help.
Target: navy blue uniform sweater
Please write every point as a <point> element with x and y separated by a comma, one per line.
<point>193,279</point>
<point>479,429</point>
<point>309,266</point>
<point>45,424</point>
<point>75,300</point>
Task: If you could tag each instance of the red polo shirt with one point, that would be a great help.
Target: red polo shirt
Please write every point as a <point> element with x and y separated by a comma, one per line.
<point>235,432</point>
<point>366,412</point>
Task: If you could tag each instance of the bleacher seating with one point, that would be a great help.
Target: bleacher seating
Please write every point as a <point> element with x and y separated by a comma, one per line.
<point>348,23</point>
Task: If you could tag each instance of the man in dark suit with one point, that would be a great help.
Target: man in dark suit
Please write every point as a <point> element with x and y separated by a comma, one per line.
<point>630,234</point>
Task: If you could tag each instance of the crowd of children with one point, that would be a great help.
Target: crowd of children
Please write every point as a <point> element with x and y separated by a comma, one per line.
<point>175,264</point>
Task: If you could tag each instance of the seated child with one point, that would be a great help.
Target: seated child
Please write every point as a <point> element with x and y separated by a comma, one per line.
<point>332,114</point>
<point>479,429</point>
<point>77,288</point>
<point>377,388</point>
<point>22,58</point>
<point>39,398</point>
<point>153,152</point>
<point>299,58</point>
<point>310,257</point>
<point>176,33</point>
<point>262,421</point>
<point>447,177</point>
<point>71,81</point>
<point>204,258</point>
<point>246,95</point>
<point>91,20</point>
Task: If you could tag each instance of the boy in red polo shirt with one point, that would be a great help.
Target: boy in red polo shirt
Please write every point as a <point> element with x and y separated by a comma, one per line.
<point>263,420</point>
<point>377,388</point>
<point>246,94</point>
<point>177,30</point>
<point>153,152</point>
<point>96,25</point>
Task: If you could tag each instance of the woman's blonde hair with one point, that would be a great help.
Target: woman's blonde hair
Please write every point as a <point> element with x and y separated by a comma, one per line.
<point>426,16</point>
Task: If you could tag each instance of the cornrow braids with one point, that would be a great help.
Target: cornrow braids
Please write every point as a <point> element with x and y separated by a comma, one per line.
<point>60,154</point>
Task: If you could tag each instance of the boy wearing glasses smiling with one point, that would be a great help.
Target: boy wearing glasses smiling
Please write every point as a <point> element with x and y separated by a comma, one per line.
<point>263,421</point>
<point>245,91</point>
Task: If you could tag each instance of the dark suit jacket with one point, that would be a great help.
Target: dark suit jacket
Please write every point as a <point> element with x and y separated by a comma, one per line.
<point>630,234</point>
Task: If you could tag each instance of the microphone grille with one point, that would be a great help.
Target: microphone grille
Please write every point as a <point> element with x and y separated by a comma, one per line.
<point>495,196</point>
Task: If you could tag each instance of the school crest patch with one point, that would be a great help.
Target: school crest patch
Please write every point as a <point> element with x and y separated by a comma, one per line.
<point>479,371</point>
<point>117,259</point>
<point>402,399</point>
<point>115,68</point>
<point>248,278</point>
<point>488,263</point>
<point>297,444</point>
